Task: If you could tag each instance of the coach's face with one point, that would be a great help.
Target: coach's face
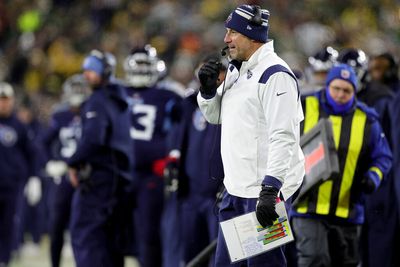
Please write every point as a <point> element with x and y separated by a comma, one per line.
<point>6,106</point>
<point>93,78</point>
<point>240,46</point>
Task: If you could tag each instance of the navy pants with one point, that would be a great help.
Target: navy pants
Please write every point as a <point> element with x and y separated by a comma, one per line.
<point>150,202</point>
<point>32,221</point>
<point>18,220</point>
<point>232,206</point>
<point>8,207</point>
<point>60,212</point>
<point>171,237</point>
<point>380,236</point>
<point>199,225</point>
<point>92,231</point>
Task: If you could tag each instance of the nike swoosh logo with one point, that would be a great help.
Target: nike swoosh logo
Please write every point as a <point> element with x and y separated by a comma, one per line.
<point>278,94</point>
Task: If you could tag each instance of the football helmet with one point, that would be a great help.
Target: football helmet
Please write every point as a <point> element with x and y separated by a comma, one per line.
<point>323,60</point>
<point>75,90</point>
<point>142,67</point>
<point>357,59</point>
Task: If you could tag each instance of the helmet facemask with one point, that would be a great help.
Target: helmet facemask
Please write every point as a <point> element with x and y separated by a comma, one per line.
<point>141,68</point>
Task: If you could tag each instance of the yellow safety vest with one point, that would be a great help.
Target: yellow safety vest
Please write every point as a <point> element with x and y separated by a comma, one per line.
<point>351,132</point>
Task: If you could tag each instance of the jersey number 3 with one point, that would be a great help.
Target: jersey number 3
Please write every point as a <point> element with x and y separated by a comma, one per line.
<point>145,116</point>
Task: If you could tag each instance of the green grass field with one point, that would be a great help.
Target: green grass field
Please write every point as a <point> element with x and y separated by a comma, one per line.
<point>31,256</point>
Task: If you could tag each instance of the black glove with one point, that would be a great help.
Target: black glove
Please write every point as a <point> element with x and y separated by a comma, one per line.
<point>369,183</point>
<point>171,174</point>
<point>208,76</point>
<point>84,178</point>
<point>265,212</point>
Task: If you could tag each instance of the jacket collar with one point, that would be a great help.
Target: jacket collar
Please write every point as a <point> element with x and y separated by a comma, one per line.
<point>331,110</point>
<point>258,55</point>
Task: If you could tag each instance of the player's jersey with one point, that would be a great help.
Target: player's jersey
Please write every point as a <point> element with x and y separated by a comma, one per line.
<point>153,113</point>
<point>63,134</point>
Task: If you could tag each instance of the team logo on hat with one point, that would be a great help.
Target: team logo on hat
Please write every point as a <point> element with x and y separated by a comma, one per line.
<point>345,74</point>
<point>229,18</point>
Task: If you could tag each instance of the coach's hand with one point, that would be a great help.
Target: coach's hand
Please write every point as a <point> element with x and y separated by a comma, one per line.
<point>171,174</point>
<point>370,182</point>
<point>208,76</point>
<point>265,212</point>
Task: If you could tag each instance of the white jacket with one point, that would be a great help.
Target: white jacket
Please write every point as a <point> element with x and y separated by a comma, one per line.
<point>260,126</point>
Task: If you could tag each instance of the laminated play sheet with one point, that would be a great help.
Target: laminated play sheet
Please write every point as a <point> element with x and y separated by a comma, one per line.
<point>245,237</point>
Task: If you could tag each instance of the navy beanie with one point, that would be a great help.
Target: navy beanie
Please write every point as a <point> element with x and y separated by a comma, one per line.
<point>342,72</point>
<point>240,21</point>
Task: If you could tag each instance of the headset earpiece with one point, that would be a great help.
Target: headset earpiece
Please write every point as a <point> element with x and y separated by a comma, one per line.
<point>256,19</point>
<point>106,65</point>
<point>107,68</point>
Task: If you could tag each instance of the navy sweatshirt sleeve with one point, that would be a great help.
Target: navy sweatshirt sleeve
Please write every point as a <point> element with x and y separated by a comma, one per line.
<point>94,131</point>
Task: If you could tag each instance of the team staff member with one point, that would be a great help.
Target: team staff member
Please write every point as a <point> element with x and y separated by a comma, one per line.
<point>17,163</point>
<point>327,222</point>
<point>101,163</point>
<point>259,108</point>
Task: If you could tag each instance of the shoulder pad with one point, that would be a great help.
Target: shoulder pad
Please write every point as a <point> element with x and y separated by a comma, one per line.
<point>166,91</point>
<point>59,108</point>
<point>173,86</point>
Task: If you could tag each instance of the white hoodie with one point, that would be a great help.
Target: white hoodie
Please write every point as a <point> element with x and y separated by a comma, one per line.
<point>260,126</point>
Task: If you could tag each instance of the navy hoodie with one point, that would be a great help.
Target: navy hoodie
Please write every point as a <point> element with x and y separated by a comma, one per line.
<point>105,143</point>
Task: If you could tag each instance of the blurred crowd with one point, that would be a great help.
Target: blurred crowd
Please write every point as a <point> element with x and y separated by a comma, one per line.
<point>43,42</point>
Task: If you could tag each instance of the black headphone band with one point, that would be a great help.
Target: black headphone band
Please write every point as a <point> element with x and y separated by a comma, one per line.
<point>257,17</point>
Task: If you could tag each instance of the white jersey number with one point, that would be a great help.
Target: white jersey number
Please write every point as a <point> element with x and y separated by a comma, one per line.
<point>68,138</point>
<point>146,121</point>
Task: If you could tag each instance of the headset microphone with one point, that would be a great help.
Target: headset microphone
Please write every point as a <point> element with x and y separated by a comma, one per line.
<point>223,51</point>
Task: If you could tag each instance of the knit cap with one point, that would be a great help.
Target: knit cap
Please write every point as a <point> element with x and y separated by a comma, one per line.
<point>244,20</point>
<point>342,72</point>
